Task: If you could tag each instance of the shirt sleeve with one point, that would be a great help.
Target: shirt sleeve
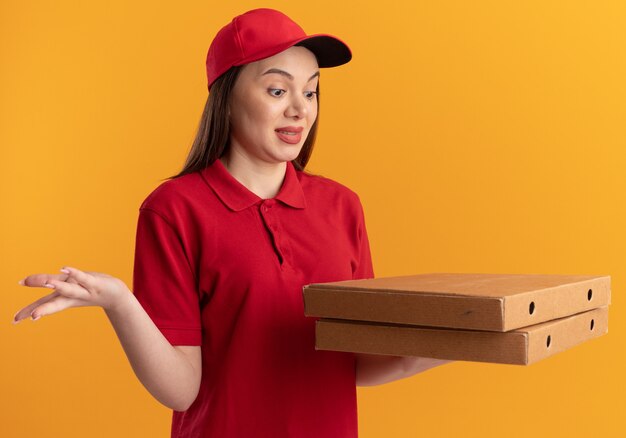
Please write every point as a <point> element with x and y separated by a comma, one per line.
<point>163,280</point>
<point>364,268</point>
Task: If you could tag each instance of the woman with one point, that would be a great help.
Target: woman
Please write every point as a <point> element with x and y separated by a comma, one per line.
<point>215,329</point>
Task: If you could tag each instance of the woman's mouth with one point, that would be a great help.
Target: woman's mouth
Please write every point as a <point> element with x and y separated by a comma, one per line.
<point>290,137</point>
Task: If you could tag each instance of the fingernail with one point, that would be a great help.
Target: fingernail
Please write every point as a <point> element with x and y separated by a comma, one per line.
<point>51,286</point>
<point>21,282</point>
<point>35,318</point>
<point>66,271</point>
<point>15,321</point>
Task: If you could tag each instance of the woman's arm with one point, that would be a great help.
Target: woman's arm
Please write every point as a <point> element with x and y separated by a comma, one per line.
<point>171,374</point>
<point>374,369</point>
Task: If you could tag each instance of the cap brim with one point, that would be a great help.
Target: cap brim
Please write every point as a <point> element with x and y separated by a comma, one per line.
<point>330,51</point>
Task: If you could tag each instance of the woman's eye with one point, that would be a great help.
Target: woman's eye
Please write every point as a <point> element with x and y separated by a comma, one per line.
<point>310,94</point>
<point>276,92</point>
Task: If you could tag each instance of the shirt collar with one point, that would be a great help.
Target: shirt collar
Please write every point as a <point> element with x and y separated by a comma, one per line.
<point>238,197</point>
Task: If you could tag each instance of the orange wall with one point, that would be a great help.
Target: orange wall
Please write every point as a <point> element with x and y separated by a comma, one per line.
<point>482,136</point>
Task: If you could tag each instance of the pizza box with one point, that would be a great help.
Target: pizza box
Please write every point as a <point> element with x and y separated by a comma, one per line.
<point>521,346</point>
<point>495,302</point>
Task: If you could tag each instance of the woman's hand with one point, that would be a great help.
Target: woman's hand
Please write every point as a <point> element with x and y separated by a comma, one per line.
<point>171,374</point>
<point>413,365</point>
<point>377,369</point>
<point>73,288</point>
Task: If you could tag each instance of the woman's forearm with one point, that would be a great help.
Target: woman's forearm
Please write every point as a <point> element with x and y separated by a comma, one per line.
<point>165,371</point>
<point>373,369</point>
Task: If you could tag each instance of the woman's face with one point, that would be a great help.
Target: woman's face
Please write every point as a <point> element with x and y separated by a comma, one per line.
<point>273,106</point>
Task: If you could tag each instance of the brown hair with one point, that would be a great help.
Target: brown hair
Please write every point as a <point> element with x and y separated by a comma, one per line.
<point>213,136</point>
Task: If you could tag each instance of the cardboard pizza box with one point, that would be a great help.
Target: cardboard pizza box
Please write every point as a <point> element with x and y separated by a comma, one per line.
<point>522,346</point>
<point>497,302</point>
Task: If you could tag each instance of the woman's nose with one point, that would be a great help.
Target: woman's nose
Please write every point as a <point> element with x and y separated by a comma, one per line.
<point>297,107</point>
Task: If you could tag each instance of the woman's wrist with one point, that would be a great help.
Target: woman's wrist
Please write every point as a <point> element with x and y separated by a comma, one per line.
<point>121,304</point>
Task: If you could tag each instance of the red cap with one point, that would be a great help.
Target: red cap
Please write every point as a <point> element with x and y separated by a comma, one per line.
<point>261,33</point>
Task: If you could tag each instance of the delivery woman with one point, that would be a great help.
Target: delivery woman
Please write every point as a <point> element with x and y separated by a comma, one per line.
<point>215,329</point>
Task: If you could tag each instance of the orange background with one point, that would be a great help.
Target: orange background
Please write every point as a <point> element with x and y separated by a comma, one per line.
<point>482,136</point>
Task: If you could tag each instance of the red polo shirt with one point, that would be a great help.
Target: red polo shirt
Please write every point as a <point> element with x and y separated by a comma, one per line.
<point>220,267</point>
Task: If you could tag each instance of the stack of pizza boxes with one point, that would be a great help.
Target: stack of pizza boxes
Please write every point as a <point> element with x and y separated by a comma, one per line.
<point>497,318</point>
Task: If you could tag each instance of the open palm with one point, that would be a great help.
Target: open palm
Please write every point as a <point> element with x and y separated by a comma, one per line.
<point>72,288</point>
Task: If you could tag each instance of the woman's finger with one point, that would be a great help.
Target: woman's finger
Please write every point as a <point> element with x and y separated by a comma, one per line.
<point>55,305</point>
<point>69,290</point>
<point>38,280</point>
<point>26,311</point>
<point>84,279</point>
